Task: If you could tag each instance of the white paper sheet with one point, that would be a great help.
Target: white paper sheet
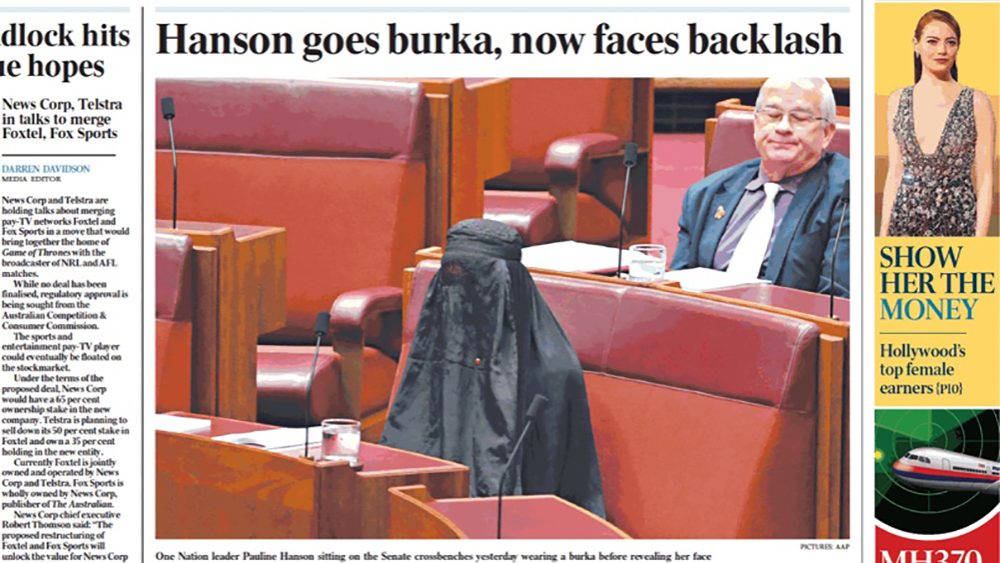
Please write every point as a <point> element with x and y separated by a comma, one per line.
<point>275,438</point>
<point>707,279</point>
<point>182,424</point>
<point>572,256</point>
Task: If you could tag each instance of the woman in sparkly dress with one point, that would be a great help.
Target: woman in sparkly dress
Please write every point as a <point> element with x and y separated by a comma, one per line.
<point>941,151</point>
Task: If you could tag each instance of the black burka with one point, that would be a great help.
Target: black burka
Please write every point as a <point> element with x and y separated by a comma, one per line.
<point>486,343</point>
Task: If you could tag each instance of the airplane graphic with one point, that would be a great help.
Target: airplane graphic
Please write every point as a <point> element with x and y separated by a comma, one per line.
<point>935,468</point>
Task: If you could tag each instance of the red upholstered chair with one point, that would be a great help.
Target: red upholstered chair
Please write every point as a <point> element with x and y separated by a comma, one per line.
<point>341,166</point>
<point>566,177</point>
<point>729,135</point>
<point>704,413</point>
<point>174,300</point>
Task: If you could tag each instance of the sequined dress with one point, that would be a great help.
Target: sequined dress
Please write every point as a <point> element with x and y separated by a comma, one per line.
<point>936,197</point>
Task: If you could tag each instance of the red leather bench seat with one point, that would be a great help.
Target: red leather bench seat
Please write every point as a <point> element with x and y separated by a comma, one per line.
<point>704,413</point>
<point>546,115</point>
<point>174,301</point>
<point>341,166</point>
<point>282,376</point>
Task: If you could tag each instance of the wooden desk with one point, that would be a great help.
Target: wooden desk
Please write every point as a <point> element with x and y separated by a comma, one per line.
<point>239,279</point>
<point>833,376</point>
<point>211,489</point>
<point>414,513</point>
<point>810,306</point>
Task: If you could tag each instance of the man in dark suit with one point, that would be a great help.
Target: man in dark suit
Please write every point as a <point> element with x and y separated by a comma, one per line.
<point>776,217</point>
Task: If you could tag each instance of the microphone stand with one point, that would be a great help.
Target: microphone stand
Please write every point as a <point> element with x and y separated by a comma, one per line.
<point>503,476</point>
<point>538,404</point>
<point>169,113</point>
<point>173,154</point>
<point>322,325</point>
<point>621,223</point>
<point>630,158</point>
<point>833,261</point>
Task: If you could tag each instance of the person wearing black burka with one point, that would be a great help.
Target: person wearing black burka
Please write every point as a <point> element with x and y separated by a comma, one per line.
<point>485,345</point>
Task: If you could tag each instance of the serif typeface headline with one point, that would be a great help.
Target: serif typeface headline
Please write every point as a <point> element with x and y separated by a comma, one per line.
<point>927,283</point>
<point>395,39</point>
<point>455,40</point>
<point>20,35</point>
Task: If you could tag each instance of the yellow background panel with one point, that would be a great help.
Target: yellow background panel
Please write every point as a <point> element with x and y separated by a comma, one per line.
<point>979,337</point>
<point>978,55</point>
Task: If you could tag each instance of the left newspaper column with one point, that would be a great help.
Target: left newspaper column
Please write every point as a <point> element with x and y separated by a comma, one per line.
<point>71,281</point>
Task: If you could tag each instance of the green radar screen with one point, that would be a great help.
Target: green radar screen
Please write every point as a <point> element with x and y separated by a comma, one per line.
<point>936,471</point>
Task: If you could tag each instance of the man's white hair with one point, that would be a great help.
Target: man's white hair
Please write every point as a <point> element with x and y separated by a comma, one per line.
<point>827,105</point>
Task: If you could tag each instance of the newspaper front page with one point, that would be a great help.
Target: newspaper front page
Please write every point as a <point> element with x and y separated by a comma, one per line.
<point>186,185</point>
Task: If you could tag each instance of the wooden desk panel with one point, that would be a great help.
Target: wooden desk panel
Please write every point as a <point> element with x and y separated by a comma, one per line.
<point>526,517</point>
<point>211,489</point>
<point>788,299</point>
<point>415,513</point>
<point>239,283</point>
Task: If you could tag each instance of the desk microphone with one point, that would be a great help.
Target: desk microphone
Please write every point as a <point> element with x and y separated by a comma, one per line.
<point>322,325</point>
<point>845,199</point>
<point>631,157</point>
<point>538,404</point>
<point>167,105</point>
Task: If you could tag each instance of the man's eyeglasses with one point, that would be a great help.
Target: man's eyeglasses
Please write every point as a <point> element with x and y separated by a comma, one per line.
<point>796,118</point>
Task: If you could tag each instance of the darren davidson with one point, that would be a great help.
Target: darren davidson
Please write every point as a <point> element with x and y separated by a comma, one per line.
<point>40,172</point>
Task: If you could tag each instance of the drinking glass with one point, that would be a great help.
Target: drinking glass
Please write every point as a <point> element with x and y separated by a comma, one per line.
<point>341,439</point>
<point>648,267</point>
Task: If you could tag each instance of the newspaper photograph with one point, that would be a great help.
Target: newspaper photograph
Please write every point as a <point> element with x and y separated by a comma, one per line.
<point>325,280</point>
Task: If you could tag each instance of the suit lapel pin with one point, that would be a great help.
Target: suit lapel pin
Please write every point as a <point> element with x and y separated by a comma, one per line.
<point>720,212</point>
